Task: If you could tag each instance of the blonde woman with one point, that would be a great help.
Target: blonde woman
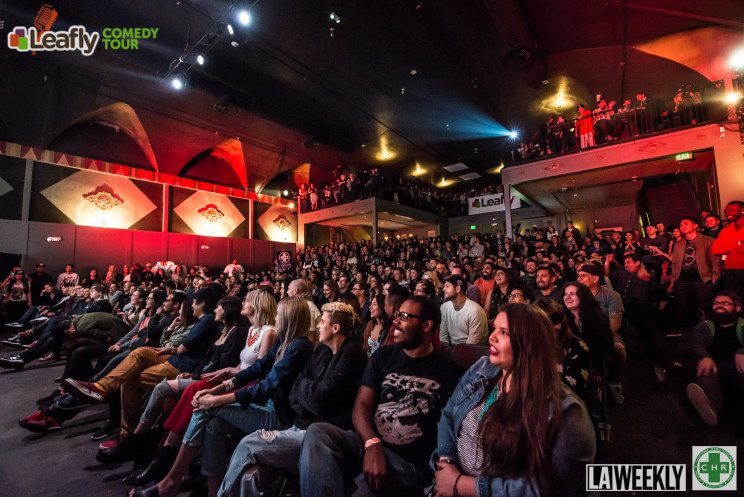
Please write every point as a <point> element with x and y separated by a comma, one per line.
<point>239,406</point>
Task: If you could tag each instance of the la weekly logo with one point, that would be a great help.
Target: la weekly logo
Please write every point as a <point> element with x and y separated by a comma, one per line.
<point>714,468</point>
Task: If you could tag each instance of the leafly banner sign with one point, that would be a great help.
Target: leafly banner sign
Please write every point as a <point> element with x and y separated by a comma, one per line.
<point>490,203</point>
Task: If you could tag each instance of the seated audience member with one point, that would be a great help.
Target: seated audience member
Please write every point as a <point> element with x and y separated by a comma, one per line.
<point>394,298</point>
<point>572,352</point>
<point>719,348</point>
<point>612,307</point>
<point>510,428</point>
<point>259,306</point>
<point>377,324</point>
<point>588,322</point>
<point>472,292</point>
<point>54,333</point>
<point>324,392</point>
<point>145,367</point>
<point>411,379</point>
<point>300,288</point>
<point>222,410</point>
<point>545,280</point>
<point>463,321</point>
<point>499,293</point>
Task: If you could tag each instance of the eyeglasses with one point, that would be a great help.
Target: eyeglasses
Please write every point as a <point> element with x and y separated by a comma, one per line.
<point>513,296</point>
<point>405,316</point>
<point>723,303</point>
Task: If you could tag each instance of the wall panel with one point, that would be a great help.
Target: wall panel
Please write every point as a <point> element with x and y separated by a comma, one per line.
<point>54,254</point>
<point>262,255</point>
<point>148,246</point>
<point>182,248</point>
<point>218,253</point>
<point>99,247</point>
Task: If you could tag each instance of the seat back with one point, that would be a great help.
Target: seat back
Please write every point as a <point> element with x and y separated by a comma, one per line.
<point>467,354</point>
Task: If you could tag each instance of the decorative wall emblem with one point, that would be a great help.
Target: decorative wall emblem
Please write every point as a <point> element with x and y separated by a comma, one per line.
<point>282,222</point>
<point>212,213</point>
<point>651,147</point>
<point>103,197</point>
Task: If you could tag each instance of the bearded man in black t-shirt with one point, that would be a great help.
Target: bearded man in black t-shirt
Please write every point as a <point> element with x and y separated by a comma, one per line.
<point>403,390</point>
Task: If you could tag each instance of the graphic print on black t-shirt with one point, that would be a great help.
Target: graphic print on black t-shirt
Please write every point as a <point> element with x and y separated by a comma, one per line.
<point>404,399</point>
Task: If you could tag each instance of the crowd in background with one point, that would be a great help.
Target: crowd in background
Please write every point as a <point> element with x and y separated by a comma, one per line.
<point>349,187</point>
<point>351,365</point>
<point>612,121</point>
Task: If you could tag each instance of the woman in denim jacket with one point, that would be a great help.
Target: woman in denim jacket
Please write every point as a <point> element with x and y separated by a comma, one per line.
<point>496,437</point>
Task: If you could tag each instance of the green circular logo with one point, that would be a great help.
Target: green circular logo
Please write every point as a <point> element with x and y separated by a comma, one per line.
<point>714,467</point>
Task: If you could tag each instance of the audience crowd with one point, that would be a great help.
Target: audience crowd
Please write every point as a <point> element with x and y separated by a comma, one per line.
<point>609,121</point>
<point>349,187</point>
<point>466,365</point>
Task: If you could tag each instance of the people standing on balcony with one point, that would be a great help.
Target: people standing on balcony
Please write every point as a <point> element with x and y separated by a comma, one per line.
<point>302,193</point>
<point>313,194</point>
<point>602,123</point>
<point>585,127</point>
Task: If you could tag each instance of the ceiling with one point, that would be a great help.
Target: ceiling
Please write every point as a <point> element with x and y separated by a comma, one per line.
<point>385,220</point>
<point>400,82</point>
<point>609,187</point>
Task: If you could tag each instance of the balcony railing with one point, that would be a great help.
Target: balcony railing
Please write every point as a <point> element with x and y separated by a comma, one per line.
<point>630,121</point>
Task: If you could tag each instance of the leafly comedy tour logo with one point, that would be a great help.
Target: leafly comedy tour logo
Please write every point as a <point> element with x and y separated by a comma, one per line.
<point>40,38</point>
<point>714,468</point>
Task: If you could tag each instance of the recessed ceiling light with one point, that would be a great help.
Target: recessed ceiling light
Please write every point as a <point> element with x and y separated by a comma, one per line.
<point>230,29</point>
<point>200,59</point>
<point>414,72</point>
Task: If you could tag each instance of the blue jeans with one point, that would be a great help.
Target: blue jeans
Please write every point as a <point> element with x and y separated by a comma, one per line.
<point>209,429</point>
<point>331,456</point>
<point>277,449</point>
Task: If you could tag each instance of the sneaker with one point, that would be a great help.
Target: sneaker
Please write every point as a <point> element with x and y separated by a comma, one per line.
<point>30,345</point>
<point>37,416</point>
<point>85,391</point>
<point>110,444</point>
<point>673,334</point>
<point>14,341</point>
<point>616,393</point>
<point>50,357</point>
<point>702,404</point>
<point>14,324</point>
<point>43,425</point>
<point>14,362</point>
<point>109,428</point>
<point>38,320</point>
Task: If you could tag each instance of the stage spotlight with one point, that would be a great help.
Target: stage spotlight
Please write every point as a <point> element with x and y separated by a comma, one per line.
<point>244,17</point>
<point>230,29</point>
<point>732,98</point>
<point>200,59</point>
<point>177,82</point>
<point>736,61</point>
<point>335,17</point>
<point>513,134</point>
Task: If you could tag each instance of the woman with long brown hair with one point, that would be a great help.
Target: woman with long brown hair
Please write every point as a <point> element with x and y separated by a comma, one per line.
<point>510,427</point>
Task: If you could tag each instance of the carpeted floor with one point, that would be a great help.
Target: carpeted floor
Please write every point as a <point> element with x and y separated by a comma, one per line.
<point>655,425</point>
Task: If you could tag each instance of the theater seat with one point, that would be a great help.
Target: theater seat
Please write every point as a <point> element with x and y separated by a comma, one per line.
<point>467,354</point>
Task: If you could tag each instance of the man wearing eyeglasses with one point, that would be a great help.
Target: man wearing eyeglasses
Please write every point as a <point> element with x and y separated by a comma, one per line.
<point>403,390</point>
<point>718,344</point>
<point>463,320</point>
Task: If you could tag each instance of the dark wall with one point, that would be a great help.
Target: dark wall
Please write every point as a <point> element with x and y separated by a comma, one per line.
<point>89,247</point>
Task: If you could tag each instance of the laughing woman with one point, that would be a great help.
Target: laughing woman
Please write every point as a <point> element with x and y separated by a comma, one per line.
<point>510,428</point>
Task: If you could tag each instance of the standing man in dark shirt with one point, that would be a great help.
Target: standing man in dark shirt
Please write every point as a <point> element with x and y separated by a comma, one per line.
<point>695,271</point>
<point>39,278</point>
<point>324,392</point>
<point>403,390</point>
<point>718,344</point>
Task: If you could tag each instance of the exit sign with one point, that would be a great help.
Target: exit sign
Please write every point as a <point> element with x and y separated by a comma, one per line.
<point>472,226</point>
<point>683,156</point>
